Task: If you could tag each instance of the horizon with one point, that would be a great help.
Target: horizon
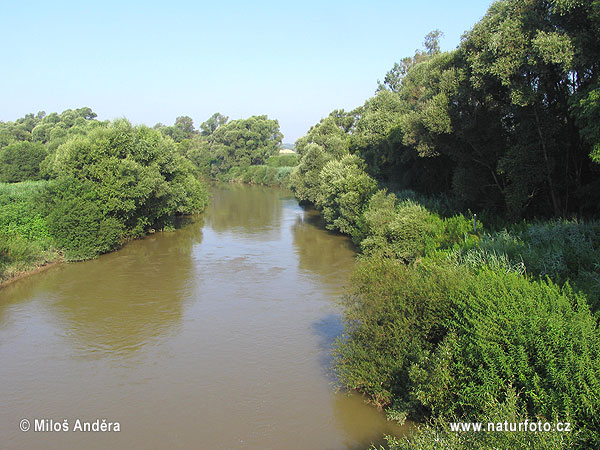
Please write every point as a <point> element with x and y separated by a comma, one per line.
<point>214,58</point>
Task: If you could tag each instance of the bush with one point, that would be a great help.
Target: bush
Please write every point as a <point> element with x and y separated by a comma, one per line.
<point>393,314</point>
<point>20,161</point>
<point>562,250</point>
<point>344,190</point>
<point>77,223</point>
<point>406,230</point>
<point>285,160</point>
<point>436,340</point>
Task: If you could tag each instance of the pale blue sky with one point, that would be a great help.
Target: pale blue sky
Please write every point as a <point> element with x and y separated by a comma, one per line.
<point>153,61</point>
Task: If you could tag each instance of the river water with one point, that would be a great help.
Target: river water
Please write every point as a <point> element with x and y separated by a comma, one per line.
<point>217,335</point>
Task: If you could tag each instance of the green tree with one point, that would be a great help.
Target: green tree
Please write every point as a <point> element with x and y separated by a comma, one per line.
<point>214,122</point>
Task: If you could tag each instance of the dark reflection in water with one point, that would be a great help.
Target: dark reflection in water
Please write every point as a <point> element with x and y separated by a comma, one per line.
<point>321,253</point>
<point>256,210</point>
<point>217,335</point>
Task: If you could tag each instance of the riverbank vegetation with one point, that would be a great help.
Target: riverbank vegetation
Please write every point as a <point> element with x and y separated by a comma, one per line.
<point>98,185</point>
<point>452,316</point>
<point>243,150</point>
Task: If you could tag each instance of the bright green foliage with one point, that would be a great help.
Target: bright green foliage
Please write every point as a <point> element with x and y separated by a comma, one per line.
<point>137,175</point>
<point>392,314</point>
<point>113,182</point>
<point>379,117</point>
<point>20,161</point>
<point>283,160</point>
<point>77,222</point>
<point>268,175</point>
<point>245,142</point>
<point>400,232</point>
<point>24,236</point>
<point>561,250</point>
<point>534,336</point>
<point>305,180</point>
<point>435,339</point>
<point>344,189</point>
<point>331,133</point>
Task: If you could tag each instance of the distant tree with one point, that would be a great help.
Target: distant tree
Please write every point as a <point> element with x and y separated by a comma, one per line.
<point>185,124</point>
<point>432,42</point>
<point>245,142</point>
<point>214,122</point>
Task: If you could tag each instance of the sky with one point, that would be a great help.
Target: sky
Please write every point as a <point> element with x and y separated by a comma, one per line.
<point>153,61</point>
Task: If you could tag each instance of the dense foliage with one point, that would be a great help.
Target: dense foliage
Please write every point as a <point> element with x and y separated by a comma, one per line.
<point>243,150</point>
<point>507,122</point>
<point>449,318</point>
<point>105,183</point>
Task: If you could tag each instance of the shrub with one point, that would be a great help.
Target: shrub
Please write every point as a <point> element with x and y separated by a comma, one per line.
<point>76,220</point>
<point>344,190</point>
<point>285,160</point>
<point>438,340</point>
<point>20,161</point>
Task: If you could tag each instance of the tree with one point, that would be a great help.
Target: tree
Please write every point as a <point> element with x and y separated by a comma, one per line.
<point>214,122</point>
<point>245,142</point>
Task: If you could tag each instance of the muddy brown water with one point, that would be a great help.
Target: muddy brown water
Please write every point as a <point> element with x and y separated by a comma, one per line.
<point>217,335</point>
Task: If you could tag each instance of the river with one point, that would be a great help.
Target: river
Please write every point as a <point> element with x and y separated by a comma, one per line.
<point>217,335</point>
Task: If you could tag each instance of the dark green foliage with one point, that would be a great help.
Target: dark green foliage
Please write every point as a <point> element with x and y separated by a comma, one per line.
<point>442,320</point>
<point>506,123</point>
<point>77,222</point>
<point>20,161</point>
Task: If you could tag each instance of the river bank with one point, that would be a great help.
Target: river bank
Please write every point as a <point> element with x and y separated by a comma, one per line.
<point>16,276</point>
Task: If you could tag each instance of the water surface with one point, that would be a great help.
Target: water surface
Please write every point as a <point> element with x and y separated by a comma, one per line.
<point>217,335</point>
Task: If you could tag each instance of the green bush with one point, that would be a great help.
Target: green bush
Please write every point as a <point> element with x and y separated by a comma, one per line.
<point>20,161</point>
<point>344,190</point>
<point>436,339</point>
<point>562,250</point>
<point>393,315</point>
<point>284,160</point>
<point>77,222</point>
<point>406,230</point>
